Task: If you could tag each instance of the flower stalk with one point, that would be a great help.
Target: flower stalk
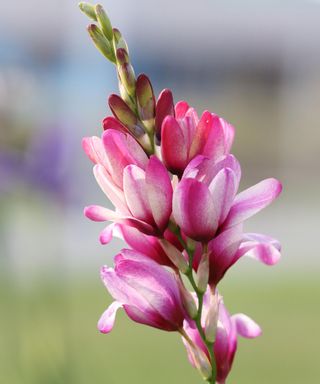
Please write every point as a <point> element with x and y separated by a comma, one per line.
<point>174,186</point>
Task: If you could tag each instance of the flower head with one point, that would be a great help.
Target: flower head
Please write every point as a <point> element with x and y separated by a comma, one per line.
<point>148,292</point>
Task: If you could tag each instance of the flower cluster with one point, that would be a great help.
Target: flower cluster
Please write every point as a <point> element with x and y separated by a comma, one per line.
<point>174,186</point>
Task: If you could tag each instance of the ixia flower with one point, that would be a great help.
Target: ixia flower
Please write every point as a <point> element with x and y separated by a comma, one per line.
<point>227,330</point>
<point>205,199</point>
<point>148,293</point>
<point>140,188</point>
<point>210,136</point>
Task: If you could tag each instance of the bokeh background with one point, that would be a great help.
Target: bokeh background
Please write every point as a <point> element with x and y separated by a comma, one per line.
<point>256,63</point>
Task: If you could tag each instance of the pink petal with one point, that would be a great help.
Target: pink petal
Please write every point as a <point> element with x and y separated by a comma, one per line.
<point>215,146</point>
<point>94,149</point>
<point>159,191</point>
<point>148,317</point>
<point>107,234</point>
<point>114,193</point>
<point>135,190</point>
<point>194,211</point>
<point>122,150</point>
<point>260,247</point>
<point>181,109</point>
<point>228,134</point>
<point>245,326</point>
<point>223,249</point>
<point>106,322</point>
<point>174,148</point>
<point>201,135</point>
<point>223,189</point>
<point>252,200</point>
<point>164,108</point>
<point>111,122</point>
<point>147,245</point>
<point>98,213</point>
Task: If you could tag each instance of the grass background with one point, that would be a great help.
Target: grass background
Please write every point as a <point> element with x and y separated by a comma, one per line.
<point>49,335</point>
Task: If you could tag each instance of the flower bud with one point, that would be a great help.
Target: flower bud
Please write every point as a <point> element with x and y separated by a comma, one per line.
<point>188,301</point>
<point>202,363</point>
<point>88,10</point>
<point>104,22</point>
<point>164,108</point>
<point>122,56</point>
<point>119,41</point>
<point>125,115</point>
<point>101,42</point>
<point>125,96</point>
<point>127,77</point>
<point>211,322</point>
<point>203,273</point>
<point>145,101</point>
<point>175,256</point>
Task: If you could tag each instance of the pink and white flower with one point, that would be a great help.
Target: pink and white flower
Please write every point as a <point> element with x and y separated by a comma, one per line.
<point>227,331</point>
<point>205,201</point>
<point>184,136</point>
<point>140,188</point>
<point>148,292</point>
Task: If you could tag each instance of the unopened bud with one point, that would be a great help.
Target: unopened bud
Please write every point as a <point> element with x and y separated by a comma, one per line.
<point>127,77</point>
<point>202,363</point>
<point>88,10</point>
<point>125,115</point>
<point>188,301</point>
<point>175,256</point>
<point>145,101</point>
<point>119,41</point>
<point>203,273</point>
<point>211,321</point>
<point>101,42</point>
<point>164,108</point>
<point>122,56</point>
<point>125,96</point>
<point>104,22</point>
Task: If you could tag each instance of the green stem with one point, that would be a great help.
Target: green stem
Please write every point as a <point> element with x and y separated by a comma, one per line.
<point>189,274</point>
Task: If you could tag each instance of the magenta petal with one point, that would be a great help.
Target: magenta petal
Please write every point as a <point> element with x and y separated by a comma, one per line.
<point>260,247</point>
<point>223,189</point>
<point>135,190</point>
<point>159,192</point>
<point>114,193</point>
<point>181,109</point>
<point>122,150</point>
<point>106,234</point>
<point>164,108</point>
<point>111,122</point>
<point>201,134</point>
<point>228,134</point>
<point>215,146</point>
<point>149,245</point>
<point>173,145</point>
<point>98,213</point>
<point>223,249</point>
<point>106,322</point>
<point>94,149</point>
<point>252,200</point>
<point>194,211</point>
<point>245,326</point>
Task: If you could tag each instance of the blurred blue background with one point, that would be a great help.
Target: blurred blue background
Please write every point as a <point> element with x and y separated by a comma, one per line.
<point>256,63</point>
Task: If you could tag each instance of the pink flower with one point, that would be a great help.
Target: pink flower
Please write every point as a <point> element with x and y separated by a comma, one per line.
<point>232,244</point>
<point>140,188</point>
<point>185,136</point>
<point>225,346</point>
<point>205,199</point>
<point>148,292</point>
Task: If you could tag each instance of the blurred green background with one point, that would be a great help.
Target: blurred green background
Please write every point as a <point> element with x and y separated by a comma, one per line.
<point>255,63</point>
